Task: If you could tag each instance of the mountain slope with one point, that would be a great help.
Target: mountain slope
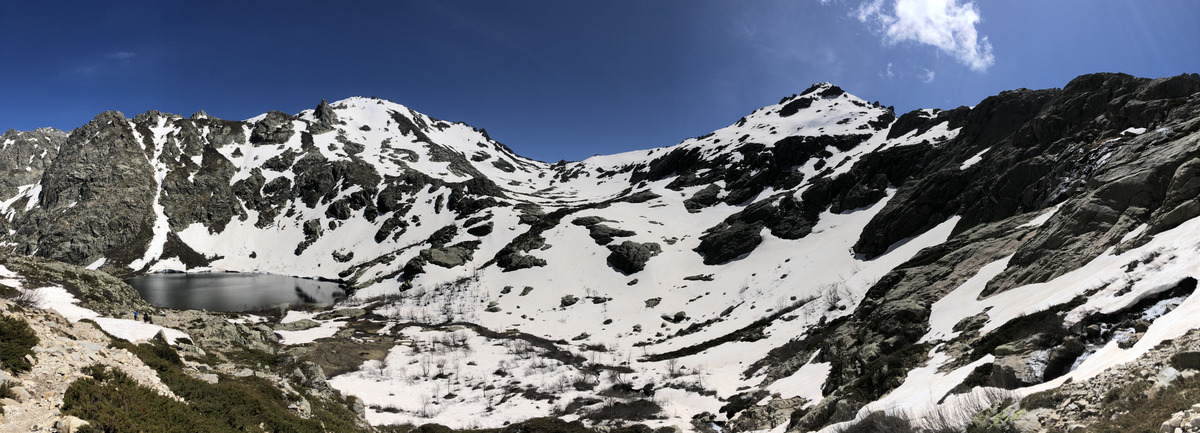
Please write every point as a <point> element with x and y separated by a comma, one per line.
<point>818,257</point>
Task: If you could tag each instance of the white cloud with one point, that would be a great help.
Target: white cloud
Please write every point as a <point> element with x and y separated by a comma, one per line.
<point>122,55</point>
<point>944,24</point>
<point>890,74</point>
<point>927,77</point>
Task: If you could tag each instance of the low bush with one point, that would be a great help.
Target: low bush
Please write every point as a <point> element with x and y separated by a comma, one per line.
<point>5,392</point>
<point>113,402</point>
<point>8,292</point>
<point>1048,399</point>
<point>16,342</point>
<point>1135,408</point>
<point>999,418</point>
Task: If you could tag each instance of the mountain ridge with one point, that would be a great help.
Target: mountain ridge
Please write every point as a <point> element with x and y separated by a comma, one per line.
<point>795,260</point>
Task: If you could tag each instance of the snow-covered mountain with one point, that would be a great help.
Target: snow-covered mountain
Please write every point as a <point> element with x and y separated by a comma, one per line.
<point>817,259</point>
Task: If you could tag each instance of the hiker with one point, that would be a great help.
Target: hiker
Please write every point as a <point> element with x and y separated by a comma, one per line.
<point>135,315</point>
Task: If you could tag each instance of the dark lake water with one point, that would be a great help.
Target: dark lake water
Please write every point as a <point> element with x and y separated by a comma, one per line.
<point>233,291</point>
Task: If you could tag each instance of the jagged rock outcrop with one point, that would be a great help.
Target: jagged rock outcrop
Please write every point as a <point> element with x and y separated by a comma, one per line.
<point>630,257</point>
<point>95,201</point>
<point>24,156</point>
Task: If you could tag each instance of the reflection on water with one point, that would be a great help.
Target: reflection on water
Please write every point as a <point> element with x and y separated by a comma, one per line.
<point>232,292</point>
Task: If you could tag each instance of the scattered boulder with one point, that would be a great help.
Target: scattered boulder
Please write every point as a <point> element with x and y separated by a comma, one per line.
<point>630,257</point>
<point>344,313</point>
<point>298,325</point>
<point>726,242</point>
<point>274,128</point>
<point>70,424</point>
<point>703,198</point>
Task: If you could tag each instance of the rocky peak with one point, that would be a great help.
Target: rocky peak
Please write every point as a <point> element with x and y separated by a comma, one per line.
<point>325,114</point>
<point>273,128</point>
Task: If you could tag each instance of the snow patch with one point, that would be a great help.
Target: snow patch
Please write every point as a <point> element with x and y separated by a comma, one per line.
<point>974,159</point>
<point>97,264</point>
<point>326,330</point>
<point>58,299</point>
<point>1041,219</point>
<point>9,278</point>
<point>805,382</point>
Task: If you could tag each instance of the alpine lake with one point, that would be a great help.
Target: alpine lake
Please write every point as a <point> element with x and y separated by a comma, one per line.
<point>228,291</point>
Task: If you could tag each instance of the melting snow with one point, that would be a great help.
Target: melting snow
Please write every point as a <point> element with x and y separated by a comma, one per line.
<point>1041,219</point>
<point>805,382</point>
<point>9,278</point>
<point>974,159</point>
<point>58,299</point>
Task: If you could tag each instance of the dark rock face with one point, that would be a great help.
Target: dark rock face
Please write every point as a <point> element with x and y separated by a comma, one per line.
<point>25,155</point>
<point>938,194</point>
<point>274,128</point>
<point>1066,146</point>
<point>1137,186</point>
<point>729,241</point>
<point>95,200</point>
<point>601,233</point>
<point>201,194</point>
<point>919,121</point>
<point>872,350</point>
<point>630,257</point>
<point>702,198</point>
<point>326,118</point>
<point>1034,138</point>
<point>864,185</point>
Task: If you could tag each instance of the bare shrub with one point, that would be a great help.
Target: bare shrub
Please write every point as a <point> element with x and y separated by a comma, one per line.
<point>29,299</point>
<point>881,422</point>
<point>958,411</point>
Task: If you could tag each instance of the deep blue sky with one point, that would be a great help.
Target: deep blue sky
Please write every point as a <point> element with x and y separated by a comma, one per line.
<point>565,79</point>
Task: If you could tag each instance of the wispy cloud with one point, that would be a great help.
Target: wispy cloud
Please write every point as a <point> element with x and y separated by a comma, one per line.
<point>944,24</point>
<point>927,77</point>
<point>102,64</point>
<point>889,71</point>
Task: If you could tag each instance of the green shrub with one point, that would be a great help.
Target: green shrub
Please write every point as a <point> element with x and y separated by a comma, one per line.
<point>8,292</point>
<point>16,341</point>
<point>999,418</point>
<point>1048,399</point>
<point>114,402</point>
<point>5,392</point>
<point>232,404</point>
<point>1131,408</point>
<point>255,357</point>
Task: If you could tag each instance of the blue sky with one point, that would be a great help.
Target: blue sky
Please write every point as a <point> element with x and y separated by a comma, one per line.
<point>565,79</point>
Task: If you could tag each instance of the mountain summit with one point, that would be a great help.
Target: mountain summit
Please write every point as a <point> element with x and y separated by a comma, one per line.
<point>818,260</point>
